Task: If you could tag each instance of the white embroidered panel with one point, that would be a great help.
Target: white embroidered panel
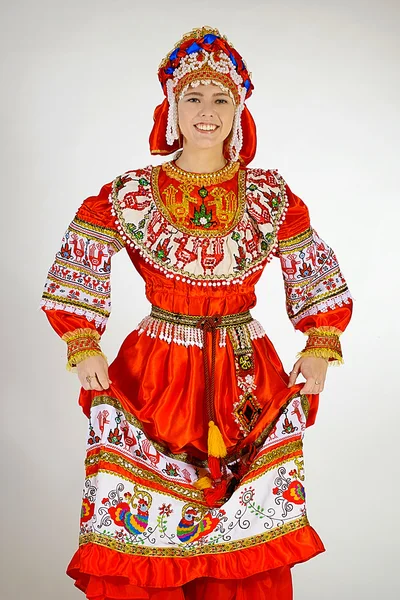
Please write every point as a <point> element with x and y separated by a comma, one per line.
<point>233,256</point>
<point>79,279</point>
<point>312,276</point>
<point>269,502</point>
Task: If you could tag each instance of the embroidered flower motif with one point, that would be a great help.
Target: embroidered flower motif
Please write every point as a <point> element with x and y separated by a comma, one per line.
<point>93,438</point>
<point>295,493</point>
<point>171,470</point>
<point>114,437</point>
<point>52,288</point>
<point>87,510</point>
<point>293,473</point>
<point>120,535</point>
<point>246,496</point>
<point>166,509</point>
<point>275,491</point>
<point>305,270</point>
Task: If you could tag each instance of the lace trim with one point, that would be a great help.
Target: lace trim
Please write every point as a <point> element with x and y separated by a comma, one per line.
<point>185,335</point>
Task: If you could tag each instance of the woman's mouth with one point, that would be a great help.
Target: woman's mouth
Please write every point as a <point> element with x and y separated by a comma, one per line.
<point>206,127</point>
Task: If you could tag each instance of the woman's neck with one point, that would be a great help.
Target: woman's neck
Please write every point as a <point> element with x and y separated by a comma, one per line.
<point>201,160</point>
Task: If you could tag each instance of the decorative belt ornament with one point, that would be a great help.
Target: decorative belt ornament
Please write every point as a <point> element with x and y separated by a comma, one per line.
<point>246,409</point>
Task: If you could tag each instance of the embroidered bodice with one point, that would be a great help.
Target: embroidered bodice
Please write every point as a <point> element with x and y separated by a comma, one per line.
<point>207,234</point>
<point>200,241</point>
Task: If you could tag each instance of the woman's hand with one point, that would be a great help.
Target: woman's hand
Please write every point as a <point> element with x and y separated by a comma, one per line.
<point>93,373</point>
<point>313,369</point>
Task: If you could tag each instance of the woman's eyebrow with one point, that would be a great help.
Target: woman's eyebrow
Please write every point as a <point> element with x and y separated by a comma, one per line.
<point>200,94</point>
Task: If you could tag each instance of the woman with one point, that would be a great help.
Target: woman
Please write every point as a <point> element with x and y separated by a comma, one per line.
<point>195,477</point>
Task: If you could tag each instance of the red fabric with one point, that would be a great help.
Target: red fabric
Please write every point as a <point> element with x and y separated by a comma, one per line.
<point>96,570</point>
<point>158,141</point>
<point>273,585</point>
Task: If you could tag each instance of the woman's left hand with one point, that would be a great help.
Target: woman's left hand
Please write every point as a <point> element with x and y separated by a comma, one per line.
<point>313,369</point>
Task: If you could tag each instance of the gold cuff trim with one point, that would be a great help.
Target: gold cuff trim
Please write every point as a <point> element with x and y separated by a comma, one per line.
<point>81,333</point>
<point>334,358</point>
<point>80,356</point>
<point>324,330</point>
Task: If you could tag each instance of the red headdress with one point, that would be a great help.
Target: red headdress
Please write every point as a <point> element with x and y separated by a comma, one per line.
<point>204,56</point>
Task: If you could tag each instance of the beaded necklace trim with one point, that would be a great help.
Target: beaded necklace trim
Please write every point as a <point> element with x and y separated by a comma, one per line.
<point>202,233</point>
<point>197,259</point>
<point>200,179</point>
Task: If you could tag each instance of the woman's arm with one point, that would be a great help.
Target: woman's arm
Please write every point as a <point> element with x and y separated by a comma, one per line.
<point>318,301</point>
<point>77,295</point>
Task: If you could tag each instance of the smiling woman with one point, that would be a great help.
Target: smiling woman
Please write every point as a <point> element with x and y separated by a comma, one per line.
<point>194,473</point>
<point>205,116</point>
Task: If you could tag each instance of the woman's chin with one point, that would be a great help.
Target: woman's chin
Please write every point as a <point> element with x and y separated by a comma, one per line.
<point>204,143</point>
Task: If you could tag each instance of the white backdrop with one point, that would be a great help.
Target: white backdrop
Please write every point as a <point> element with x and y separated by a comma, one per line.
<point>79,87</point>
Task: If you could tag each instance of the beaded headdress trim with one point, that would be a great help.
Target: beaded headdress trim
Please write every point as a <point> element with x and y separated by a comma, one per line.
<point>209,58</point>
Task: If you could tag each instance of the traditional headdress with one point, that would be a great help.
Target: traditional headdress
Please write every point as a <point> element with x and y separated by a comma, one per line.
<point>203,56</point>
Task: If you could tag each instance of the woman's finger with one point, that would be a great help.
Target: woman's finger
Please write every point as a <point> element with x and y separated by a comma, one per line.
<point>102,380</point>
<point>95,384</point>
<point>85,380</point>
<point>294,373</point>
<point>308,387</point>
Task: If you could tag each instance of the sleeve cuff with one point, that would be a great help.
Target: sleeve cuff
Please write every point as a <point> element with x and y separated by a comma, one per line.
<point>324,342</point>
<point>81,344</point>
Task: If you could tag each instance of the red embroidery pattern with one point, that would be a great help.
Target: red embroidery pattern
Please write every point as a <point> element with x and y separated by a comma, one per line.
<point>313,280</point>
<point>79,278</point>
<point>144,223</point>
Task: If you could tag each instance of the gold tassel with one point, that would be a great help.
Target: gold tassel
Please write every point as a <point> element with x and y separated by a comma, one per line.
<point>216,446</point>
<point>203,483</point>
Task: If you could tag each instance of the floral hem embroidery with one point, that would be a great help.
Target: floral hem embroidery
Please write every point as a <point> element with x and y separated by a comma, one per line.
<point>139,501</point>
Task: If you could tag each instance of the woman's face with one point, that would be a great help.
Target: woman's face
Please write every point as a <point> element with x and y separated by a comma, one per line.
<point>205,115</point>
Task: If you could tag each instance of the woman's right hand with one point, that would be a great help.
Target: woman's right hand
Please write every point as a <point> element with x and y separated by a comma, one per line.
<point>93,373</point>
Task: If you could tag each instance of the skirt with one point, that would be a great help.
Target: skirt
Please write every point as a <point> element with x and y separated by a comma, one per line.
<point>147,532</point>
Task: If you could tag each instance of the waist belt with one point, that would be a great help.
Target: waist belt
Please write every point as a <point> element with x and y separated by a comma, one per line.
<point>194,320</point>
<point>216,487</point>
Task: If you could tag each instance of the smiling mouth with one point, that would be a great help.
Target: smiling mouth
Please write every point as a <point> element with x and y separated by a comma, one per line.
<point>206,127</point>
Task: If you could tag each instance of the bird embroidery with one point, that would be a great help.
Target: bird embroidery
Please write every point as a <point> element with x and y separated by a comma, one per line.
<point>122,515</point>
<point>188,530</point>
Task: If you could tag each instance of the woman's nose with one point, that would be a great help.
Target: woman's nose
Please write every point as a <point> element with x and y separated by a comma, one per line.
<point>207,110</point>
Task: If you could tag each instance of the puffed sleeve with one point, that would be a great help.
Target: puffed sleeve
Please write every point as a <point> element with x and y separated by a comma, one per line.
<point>76,297</point>
<point>318,301</point>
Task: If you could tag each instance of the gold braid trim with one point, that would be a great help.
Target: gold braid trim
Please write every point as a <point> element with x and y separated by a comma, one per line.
<point>334,358</point>
<point>324,342</point>
<point>81,344</point>
<point>324,330</point>
<point>81,333</point>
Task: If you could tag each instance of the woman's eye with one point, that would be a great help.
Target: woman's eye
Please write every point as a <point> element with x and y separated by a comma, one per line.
<point>222,101</point>
<point>193,100</point>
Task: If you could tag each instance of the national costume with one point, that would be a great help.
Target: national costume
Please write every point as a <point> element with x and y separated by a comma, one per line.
<point>194,470</point>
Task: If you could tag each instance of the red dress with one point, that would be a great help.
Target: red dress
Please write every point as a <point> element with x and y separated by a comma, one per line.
<point>200,243</point>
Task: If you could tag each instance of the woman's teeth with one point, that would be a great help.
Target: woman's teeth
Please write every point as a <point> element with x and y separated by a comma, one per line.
<point>206,127</point>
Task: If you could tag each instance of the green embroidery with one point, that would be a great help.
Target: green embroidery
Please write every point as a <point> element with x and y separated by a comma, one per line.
<point>202,218</point>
